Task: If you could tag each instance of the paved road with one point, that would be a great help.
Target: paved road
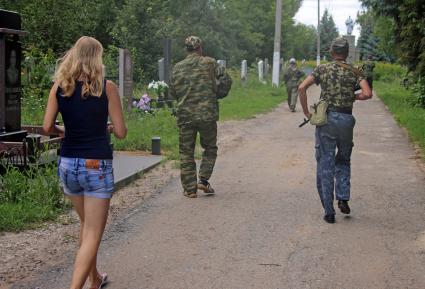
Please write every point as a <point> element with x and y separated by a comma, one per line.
<point>264,227</point>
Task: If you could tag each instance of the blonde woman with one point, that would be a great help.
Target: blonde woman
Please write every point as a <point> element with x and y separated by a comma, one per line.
<point>85,100</point>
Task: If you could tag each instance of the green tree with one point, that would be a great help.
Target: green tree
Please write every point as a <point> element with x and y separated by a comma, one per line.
<point>376,38</point>
<point>384,31</point>
<point>56,24</point>
<point>409,20</point>
<point>302,42</point>
<point>328,32</point>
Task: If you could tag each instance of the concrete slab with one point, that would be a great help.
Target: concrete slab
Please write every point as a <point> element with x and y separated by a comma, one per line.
<point>128,166</point>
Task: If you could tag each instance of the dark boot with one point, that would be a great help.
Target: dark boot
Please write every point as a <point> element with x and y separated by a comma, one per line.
<point>344,208</point>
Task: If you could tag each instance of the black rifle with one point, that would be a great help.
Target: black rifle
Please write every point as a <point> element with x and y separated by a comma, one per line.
<point>306,120</point>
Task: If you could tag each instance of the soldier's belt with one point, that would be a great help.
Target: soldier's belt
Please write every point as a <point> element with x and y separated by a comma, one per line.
<point>346,110</point>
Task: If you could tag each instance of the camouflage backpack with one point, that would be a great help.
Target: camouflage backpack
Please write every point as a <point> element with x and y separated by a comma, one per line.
<point>224,84</point>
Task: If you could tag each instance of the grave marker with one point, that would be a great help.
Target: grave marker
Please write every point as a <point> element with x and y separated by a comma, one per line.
<point>126,77</point>
<point>261,71</point>
<point>10,72</point>
<point>244,72</point>
<point>161,69</point>
<point>167,65</point>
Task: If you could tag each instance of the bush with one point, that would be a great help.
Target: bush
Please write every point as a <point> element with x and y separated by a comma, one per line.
<point>388,72</point>
<point>419,93</point>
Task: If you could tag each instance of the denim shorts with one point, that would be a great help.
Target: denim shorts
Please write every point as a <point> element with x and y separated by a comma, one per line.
<point>85,177</point>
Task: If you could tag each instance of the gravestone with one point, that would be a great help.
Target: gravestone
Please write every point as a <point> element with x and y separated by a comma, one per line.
<point>167,65</point>
<point>266,67</point>
<point>244,72</point>
<point>261,71</point>
<point>161,69</point>
<point>126,78</point>
<point>10,76</point>
<point>222,63</point>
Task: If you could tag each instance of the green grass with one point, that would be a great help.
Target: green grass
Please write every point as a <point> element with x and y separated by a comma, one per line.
<point>255,98</point>
<point>143,126</point>
<point>30,198</point>
<point>399,102</point>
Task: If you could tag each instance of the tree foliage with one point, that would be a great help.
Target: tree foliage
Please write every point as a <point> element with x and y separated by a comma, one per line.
<point>409,20</point>
<point>376,37</point>
<point>328,32</point>
<point>230,29</point>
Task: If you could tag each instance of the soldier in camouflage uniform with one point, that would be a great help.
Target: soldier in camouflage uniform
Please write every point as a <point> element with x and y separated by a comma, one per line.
<point>367,69</point>
<point>292,78</point>
<point>193,84</point>
<point>334,140</point>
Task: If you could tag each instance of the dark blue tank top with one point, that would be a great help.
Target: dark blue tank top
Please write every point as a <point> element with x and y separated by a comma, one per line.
<point>85,121</point>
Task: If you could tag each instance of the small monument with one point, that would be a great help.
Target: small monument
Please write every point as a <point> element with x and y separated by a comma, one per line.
<point>10,76</point>
<point>161,69</point>
<point>351,40</point>
<point>266,67</point>
<point>126,77</point>
<point>244,72</point>
<point>261,71</point>
<point>167,65</point>
<point>350,25</point>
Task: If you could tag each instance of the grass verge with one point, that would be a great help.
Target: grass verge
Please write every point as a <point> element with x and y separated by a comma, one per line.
<point>399,100</point>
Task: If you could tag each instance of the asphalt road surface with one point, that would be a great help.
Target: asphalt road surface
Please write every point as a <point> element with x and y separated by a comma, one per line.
<point>264,227</point>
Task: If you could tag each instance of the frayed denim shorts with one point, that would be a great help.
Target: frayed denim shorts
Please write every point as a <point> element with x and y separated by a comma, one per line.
<point>86,177</point>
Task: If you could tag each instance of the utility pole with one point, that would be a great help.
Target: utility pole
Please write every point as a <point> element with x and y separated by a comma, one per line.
<point>277,35</point>
<point>318,33</point>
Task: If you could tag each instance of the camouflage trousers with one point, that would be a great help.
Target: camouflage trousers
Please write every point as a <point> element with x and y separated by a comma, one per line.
<point>187,141</point>
<point>292,96</point>
<point>334,144</point>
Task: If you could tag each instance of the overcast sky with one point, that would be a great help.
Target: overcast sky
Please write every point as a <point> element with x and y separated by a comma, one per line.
<point>339,9</point>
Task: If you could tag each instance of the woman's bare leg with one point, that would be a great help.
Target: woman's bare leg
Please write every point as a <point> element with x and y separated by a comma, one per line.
<point>93,213</point>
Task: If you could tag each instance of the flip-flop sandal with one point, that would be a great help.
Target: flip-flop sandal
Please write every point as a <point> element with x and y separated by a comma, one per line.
<point>105,280</point>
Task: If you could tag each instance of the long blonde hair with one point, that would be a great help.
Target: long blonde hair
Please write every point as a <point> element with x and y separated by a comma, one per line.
<point>82,62</point>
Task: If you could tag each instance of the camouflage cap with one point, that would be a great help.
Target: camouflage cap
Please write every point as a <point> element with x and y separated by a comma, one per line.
<point>340,45</point>
<point>193,43</point>
<point>292,60</point>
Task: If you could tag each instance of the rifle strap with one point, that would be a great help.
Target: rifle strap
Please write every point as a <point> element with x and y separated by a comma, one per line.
<point>349,67</point>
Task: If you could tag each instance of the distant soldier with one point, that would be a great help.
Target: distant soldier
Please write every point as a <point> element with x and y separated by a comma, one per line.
<point>292,78</point>
<point>367,69</point>
<point>338,81</point>
<point>194,86</point>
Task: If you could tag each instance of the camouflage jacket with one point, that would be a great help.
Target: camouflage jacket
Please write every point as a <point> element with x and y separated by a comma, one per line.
<point>367,68</point>
<point>337,83</point>
<point>192,85</point>
<point>292,76</point>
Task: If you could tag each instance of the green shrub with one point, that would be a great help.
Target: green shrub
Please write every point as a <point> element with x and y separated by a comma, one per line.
<point>388,72</point>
